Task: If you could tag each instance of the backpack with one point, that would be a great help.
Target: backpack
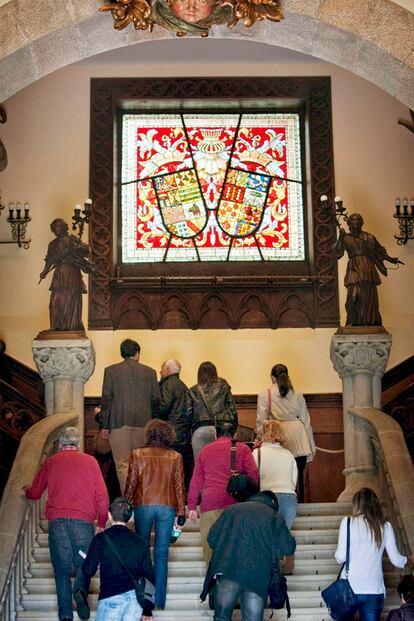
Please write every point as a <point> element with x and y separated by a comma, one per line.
<point>278,593</point>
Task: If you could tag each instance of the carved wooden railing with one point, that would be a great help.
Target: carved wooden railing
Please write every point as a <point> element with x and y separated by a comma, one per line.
<point>17,412</point>
<point>395,470</point>
<point>18,518</point>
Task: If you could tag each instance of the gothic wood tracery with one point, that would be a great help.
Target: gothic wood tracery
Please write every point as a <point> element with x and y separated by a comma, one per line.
<point>280,294</point>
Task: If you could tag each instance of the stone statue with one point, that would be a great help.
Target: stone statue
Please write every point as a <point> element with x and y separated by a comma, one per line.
<point>366,258</point>
<point>67,255</point>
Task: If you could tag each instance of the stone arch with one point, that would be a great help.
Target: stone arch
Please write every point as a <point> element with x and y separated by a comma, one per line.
<point>373,39</point>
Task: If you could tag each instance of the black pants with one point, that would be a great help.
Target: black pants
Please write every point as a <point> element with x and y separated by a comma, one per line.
<point>186,451</point>
<point>301,464</point>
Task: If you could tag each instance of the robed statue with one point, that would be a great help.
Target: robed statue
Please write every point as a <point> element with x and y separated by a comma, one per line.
<point>67,255</point>
<point>366,258</point>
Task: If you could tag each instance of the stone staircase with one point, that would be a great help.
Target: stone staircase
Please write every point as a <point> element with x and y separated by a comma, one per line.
<point>315,530</point>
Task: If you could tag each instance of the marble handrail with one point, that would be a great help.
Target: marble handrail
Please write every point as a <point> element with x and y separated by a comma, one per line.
<point>36,444</point>
<point>395,469</point>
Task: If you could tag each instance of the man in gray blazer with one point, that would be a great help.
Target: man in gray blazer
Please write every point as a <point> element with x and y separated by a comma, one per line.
<point>130,398</point>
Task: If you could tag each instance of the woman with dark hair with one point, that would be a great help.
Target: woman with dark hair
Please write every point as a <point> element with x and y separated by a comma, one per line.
<point>406,611</point>
<point>370,533</point>
<point>155,486</point>
<point>282,403</point>
<point>210,403</point>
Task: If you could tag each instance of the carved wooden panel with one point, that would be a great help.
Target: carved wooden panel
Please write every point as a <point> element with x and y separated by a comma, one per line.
<point>248,295</point>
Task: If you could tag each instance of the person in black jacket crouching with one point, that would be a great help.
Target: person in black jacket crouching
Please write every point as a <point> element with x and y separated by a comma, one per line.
<point>246,539</point>
<point>117,597</point>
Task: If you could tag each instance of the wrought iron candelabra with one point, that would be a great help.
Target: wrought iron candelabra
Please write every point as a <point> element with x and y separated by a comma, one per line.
<point>340,211</point>
<point>405,220</point>
<point>79,220</point>
<point>18,220</point>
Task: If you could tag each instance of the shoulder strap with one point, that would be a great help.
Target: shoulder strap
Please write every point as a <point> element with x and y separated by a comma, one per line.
<point>259,458</point>
<point>269,400</point>
<point>348,545</point>
<point>203,397</point>
<point>115,551</point>
<point>348,542</point>
<point>233,457</point>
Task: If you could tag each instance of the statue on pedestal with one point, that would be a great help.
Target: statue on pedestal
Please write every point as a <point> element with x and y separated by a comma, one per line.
<point>366,258</point>
<point>67,256</point>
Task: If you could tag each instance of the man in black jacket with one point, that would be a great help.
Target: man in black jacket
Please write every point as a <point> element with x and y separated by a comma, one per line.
<point>246,540</point>
<point>173,409</point>
<point>122,557</point>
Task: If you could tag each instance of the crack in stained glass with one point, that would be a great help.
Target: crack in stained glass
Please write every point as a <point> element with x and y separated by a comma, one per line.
<point>211,187</point>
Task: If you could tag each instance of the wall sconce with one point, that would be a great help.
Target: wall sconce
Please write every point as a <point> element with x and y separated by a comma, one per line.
<point>405,220</point>
<point>18,222</point>
<point>80,220</point>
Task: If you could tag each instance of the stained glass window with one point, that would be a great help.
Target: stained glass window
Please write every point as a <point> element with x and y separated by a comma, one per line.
<point>211,187</point>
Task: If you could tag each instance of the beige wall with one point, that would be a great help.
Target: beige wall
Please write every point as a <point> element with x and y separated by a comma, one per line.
<point>47,138</point>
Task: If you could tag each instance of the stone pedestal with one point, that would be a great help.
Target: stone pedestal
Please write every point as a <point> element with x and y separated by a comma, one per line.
<point>360,360</point>
<point>64,365</point>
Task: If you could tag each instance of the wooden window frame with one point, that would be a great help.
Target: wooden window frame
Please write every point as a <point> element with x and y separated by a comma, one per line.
<point>212,295</point>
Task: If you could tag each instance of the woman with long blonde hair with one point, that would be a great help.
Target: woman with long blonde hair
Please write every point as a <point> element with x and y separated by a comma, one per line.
<point>370,534</point>
<point>277,469</point>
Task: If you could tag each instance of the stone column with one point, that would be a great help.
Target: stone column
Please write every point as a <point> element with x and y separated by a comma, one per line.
<point>360,360</point>
<point>64,365</point>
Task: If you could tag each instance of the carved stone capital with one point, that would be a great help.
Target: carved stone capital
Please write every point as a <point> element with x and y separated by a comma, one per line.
<point>73,359</point>
<point>360,353</point>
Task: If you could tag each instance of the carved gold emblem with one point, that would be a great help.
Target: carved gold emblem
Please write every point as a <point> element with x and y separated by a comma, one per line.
<point>191,16</point>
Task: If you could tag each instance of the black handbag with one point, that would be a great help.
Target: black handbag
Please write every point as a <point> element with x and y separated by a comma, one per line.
<point>144,589</point>
<point>339,596</point>
<point>277,592</point>
<point>240,486</point>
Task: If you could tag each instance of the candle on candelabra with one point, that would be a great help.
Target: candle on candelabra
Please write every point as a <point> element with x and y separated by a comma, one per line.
<point>87,207</point>
<point>405,207</point>
<point>77,212</point>
<point>26,211</point>
<point>412,206</point>
<point>397,207</point>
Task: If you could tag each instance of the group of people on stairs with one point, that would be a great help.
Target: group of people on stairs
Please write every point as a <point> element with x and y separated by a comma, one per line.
<point>155,489</point>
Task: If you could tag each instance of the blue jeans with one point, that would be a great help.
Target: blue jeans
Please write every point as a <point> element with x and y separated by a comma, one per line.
<point>123,607</point>
<point>288,505</point>
<point>370,606</point>
<point>162,518</point>
<point>226,594</point>
<point>201,437</point>
<point>66,537</point>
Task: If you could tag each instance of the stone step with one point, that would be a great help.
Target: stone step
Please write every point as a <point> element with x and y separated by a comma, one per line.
<point>312,603</point>
<point>324,508</point>
<point>38,586</point>
<point>299,614</point>
<point>175,601</point>
<point>307,509</point>
<point>191,531</point>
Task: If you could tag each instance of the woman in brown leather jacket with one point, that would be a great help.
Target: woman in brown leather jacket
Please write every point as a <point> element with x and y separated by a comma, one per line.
<point>155,486</point>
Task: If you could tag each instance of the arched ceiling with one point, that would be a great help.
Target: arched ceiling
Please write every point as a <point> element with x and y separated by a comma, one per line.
<point>373,39</point>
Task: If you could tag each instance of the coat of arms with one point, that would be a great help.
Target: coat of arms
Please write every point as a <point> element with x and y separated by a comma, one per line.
<point>191,16</point>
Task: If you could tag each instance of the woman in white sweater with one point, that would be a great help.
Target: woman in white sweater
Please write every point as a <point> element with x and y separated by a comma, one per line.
<point>370,533</point>
<point>278,471</point>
